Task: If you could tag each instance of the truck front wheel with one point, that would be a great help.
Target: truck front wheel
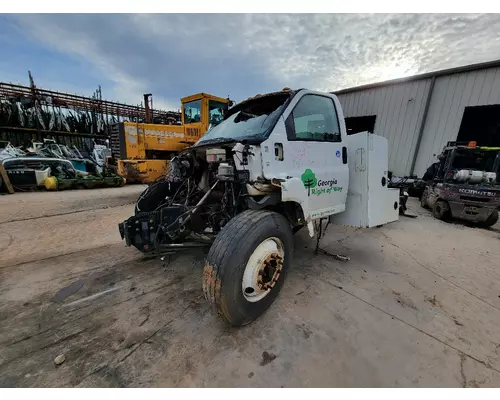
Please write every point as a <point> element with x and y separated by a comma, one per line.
<point>247,264</point>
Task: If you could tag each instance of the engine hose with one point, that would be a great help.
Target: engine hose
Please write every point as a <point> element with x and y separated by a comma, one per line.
<point>193,210</point>
<point>202,200</point>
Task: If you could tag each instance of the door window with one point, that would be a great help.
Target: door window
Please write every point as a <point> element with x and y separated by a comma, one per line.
<point>192,112</point>
<point>314,118</point>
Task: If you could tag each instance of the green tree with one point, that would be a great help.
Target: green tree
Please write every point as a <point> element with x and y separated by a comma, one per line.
<point>309,180</point>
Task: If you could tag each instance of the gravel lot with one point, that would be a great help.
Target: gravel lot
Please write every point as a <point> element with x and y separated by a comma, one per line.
<point>417,305</point>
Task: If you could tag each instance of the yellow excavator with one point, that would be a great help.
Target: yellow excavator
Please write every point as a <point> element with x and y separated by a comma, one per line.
<point>142,151</point>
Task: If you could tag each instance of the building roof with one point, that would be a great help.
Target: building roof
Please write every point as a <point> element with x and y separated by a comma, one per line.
<point>449,71</point>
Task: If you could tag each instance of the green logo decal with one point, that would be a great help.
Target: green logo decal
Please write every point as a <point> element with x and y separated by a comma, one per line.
<point>318,187</point>
<point>327,190</point>
<point>309,180</point>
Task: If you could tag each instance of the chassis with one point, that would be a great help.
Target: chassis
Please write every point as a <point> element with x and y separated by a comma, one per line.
<point>189,208</point>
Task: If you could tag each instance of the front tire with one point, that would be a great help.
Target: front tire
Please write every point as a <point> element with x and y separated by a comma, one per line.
<point>441,210</point>
<point>491,220</point>
<point>247,265</point>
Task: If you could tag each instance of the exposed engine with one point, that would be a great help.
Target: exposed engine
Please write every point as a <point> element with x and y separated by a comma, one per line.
<point>204,189</point>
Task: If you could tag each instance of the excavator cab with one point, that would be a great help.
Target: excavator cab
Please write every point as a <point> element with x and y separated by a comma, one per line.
<point>200,112</point>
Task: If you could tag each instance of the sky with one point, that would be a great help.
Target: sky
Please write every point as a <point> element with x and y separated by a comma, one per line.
<point>236,55</point>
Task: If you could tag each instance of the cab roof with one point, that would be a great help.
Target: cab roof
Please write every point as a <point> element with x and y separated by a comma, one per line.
<point>285,93</point>
<point>201,95</point>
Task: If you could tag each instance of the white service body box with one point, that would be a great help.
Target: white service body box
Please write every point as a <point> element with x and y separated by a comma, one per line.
<point>369,202</point>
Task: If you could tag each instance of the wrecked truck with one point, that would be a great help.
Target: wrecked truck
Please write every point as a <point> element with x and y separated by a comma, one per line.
<point>277,163</point>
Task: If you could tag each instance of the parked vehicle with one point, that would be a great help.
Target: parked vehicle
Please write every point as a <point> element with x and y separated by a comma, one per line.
<point>464,184</point>
<point>141,151</point>
<point>276,163</point>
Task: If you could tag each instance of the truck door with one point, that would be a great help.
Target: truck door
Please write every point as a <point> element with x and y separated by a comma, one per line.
<point>309,143</point>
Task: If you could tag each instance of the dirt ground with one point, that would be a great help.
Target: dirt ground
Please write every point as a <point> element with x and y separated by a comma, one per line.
<point>417,305</point>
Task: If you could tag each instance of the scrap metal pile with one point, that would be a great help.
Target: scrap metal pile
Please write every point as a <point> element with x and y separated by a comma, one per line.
<point>52,166</point>
<point>29,108</point>
<point>31,118</point>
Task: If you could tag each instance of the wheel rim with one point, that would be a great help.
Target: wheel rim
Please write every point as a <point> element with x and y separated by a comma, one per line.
<point>263,269</point>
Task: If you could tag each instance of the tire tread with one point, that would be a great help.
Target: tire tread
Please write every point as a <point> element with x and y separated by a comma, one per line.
<point>231,237</point>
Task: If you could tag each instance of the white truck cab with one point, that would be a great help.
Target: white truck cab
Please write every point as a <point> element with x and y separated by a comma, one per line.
<point>307,151</point>
<point>276,163</point>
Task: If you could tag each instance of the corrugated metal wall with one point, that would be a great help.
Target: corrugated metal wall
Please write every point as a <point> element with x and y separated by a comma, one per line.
<point>450,96</point>
<point>399,109</point>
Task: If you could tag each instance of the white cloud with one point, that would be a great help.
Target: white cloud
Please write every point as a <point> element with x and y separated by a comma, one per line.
<point>175,55</point>
<point>335,51</point>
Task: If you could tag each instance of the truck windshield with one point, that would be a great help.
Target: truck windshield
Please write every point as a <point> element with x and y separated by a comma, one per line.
<point>249,119</point>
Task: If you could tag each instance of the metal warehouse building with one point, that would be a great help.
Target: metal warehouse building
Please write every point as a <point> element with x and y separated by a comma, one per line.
<point>420,114</point>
